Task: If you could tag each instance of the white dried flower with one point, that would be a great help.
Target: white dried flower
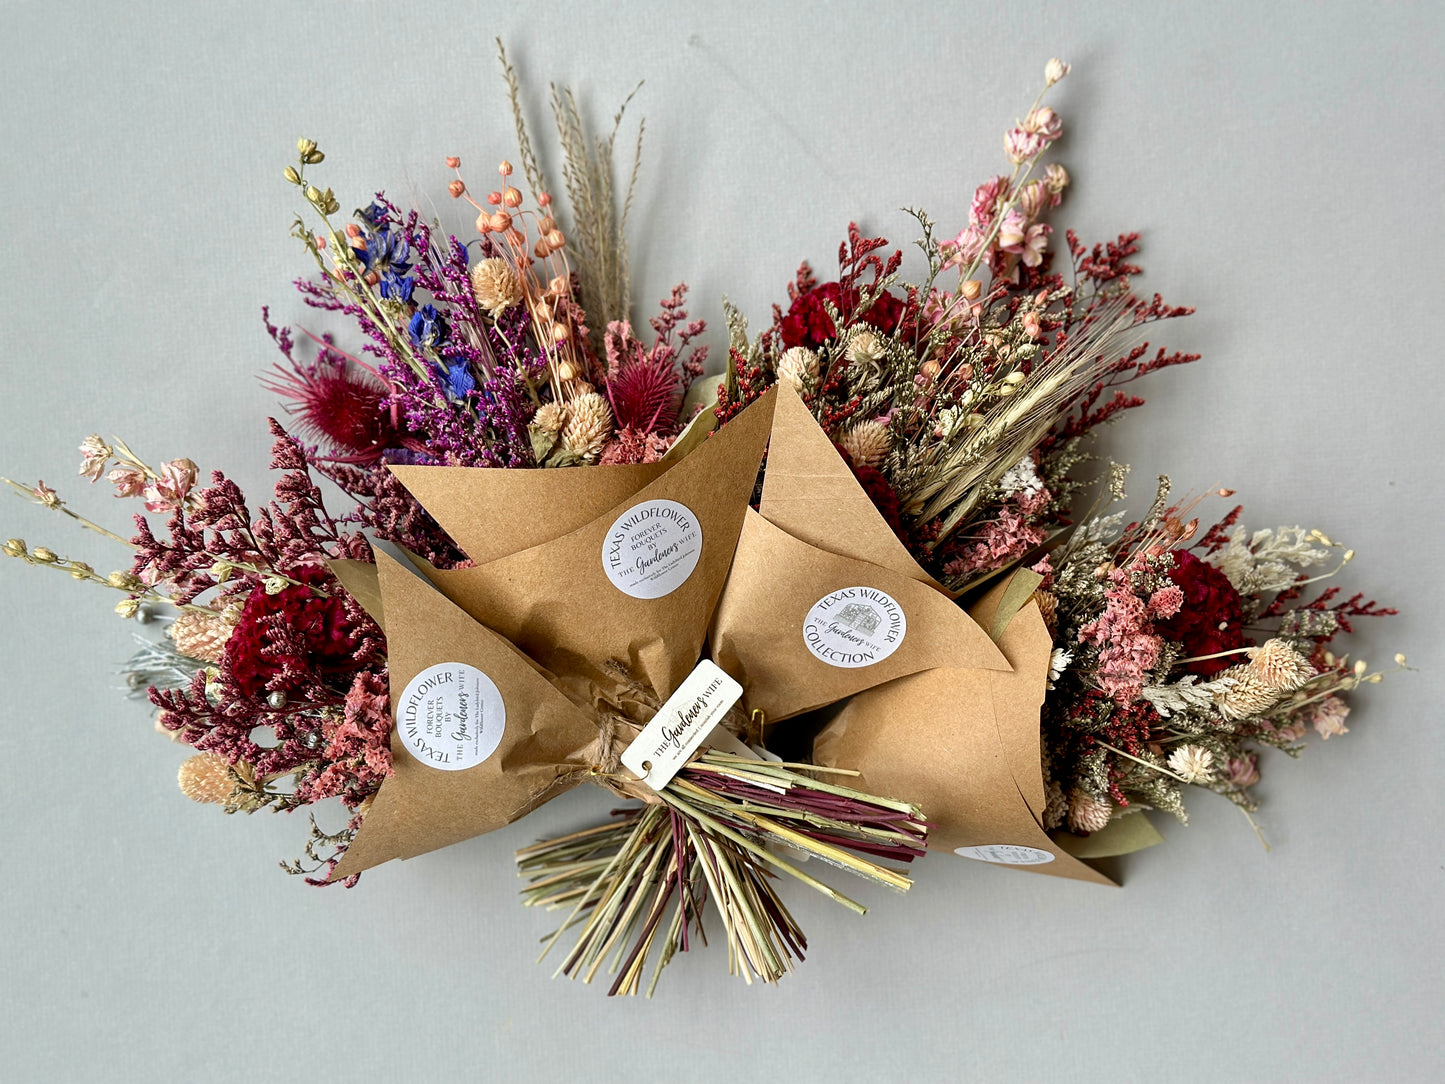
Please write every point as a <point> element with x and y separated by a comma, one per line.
<point>495,285</point>
<point>1245,695</point>
<point>1056,178</point>
<point>1022,478</point>
<point>274,585</point>
<point>1055,70</point>
<point>1192,763</point>
<point>867,443</point>
<point>1059,662</point>
<point>797,368</point>
<point>589,424</point>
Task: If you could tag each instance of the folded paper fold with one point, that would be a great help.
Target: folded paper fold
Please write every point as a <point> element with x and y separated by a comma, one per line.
<point>547,743</point>
<point>758,632</point>
<point>964,745</point>
<point>555,601</point>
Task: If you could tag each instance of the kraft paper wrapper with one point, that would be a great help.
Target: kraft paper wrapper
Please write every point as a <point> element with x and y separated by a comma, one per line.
<point>547,740</point>
<point>757,633</point>
<point>554,600</point>
<point>962,744</point>
<point>809,492</point>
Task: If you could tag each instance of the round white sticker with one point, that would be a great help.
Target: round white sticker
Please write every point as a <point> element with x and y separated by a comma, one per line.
<point>856,626</point>
<point>1010,854</point>
<point>451,716</point>
<point>652,549</point>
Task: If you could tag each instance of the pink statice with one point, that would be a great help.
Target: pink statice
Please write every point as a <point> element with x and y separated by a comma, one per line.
<point>1165,602</point>
<point>1007,537</point>
<point>1128,646</point>
<point>357,749</point>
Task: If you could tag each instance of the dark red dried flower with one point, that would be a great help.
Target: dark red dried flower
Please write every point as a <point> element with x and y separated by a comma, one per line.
<point>294,636</point>
<point>1212,616</point>
<point>340,405</point>
<point>807,322</point>
<point>880,492</point>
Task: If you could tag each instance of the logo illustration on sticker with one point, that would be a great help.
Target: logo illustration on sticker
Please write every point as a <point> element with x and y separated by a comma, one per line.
<point>1010,854</point>
<point>652,548</point>
<point>856,626</point>
<point>451,716</point>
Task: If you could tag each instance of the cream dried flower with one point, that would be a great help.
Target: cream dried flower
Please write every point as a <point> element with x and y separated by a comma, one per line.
<point>200,636</point>
<point>867,443</point>
<point>864,346</point>
<point>495,285</point>
<point>1245,696</point>
<point>1279,666</point>
<point>1055,70</point>
<point>550,417</point>
<point>207,778</point>
<point>589,424</point>
<point>797,368</point>
<point>1088,813</point>
<point>1192,763</point>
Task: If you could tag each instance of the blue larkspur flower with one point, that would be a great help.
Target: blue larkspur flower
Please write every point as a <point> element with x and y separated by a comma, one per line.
<point>386,251</point>
<point>374,215</point>
<point>427,327</point>
<point>396,287</point>
<point>458,380</point>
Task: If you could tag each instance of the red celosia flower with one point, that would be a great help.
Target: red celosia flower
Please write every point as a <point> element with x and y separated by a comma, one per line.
<point>880,492</point>
<point>1211,618</point>
<point>807,322</point>
<point>293,637</point>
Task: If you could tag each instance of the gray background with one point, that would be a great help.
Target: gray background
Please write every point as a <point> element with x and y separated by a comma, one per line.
<point>1285,166</point>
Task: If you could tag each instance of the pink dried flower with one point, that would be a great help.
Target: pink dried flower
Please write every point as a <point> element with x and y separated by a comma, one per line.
<point>94,455</point>
<point>170,490</point>
<point>45,495</point>
<point>1128,649</point>
<point>1242,771</point>
<point>1328,717</point>
<point>1044,123</point>
<point>1019,144</point>
<point>1166,601</point>
<point>128,481</point>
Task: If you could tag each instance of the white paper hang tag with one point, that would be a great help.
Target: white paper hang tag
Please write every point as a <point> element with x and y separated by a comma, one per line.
<point>681,725</point>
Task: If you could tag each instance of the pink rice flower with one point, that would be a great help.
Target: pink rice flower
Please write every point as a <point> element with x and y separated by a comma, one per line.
<point>169,491</point>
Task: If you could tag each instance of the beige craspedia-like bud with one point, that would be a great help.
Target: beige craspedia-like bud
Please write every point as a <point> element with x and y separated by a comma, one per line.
<point>550,417</point>
<point>1088,813</point>
<point>867,443</point>
<point>1048,608</point>
<point>1277,665</point>
<point>199,635</point>
<point>495,285</point>
<point>589,424</point>
<point>797,368</point>
<point>205,777</point>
